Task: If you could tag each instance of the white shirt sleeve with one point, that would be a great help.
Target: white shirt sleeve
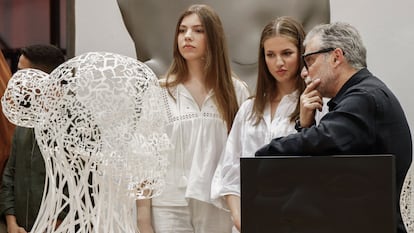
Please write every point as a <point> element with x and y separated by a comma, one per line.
<point>227,175</point>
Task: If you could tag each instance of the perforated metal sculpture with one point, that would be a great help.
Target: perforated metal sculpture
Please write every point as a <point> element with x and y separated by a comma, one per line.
<point>407,201</point>
<point>98,120</point>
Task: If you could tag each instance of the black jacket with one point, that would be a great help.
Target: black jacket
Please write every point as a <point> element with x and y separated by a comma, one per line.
<point>23,179</point>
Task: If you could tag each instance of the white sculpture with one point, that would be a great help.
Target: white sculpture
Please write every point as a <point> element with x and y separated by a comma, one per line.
<point>98,121</point>
<point>407,201</point>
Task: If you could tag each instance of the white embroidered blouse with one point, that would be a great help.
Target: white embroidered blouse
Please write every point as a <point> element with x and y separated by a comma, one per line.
<point>198,135</point>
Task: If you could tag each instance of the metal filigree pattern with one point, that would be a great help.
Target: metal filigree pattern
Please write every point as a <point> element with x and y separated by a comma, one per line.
<point>99,122</point>
<point>407,201</point>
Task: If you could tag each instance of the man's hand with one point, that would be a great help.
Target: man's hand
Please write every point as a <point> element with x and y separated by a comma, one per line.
<point>12,226</point>
<point>15,229</point>
<point>310,101</point>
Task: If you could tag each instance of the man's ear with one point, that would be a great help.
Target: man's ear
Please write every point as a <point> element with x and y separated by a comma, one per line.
<point>338,56</point>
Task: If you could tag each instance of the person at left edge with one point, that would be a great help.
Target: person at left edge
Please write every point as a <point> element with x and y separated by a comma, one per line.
<point>24,176</point>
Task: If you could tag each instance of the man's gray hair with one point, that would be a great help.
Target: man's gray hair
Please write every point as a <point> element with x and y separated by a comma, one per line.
<point>344,36</point>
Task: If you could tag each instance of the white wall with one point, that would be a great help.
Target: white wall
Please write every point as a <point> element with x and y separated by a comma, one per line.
<point>387,28</point>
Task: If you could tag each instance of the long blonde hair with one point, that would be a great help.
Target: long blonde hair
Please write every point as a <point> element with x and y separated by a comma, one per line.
<point>266,84</point>
<point>217,66</point>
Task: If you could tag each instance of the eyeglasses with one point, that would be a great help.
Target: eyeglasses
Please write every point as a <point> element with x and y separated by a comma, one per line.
<point>307,59</point>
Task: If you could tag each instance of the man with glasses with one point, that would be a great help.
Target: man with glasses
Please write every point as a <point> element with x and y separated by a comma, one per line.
<point>364,115</point>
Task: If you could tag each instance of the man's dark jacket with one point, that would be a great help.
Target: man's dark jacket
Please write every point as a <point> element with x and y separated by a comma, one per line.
<point>364,118</point>
<point>23,179</point>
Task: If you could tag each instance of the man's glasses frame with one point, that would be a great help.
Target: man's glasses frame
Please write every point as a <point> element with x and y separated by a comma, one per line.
<point>304,56</point>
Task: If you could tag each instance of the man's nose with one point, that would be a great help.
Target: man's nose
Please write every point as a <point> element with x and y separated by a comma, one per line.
<point>304,73</point>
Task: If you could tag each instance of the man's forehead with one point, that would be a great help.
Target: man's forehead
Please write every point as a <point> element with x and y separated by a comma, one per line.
<point>312,44</point>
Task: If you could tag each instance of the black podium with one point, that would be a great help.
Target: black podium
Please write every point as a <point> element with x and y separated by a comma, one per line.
<point>318,194</point>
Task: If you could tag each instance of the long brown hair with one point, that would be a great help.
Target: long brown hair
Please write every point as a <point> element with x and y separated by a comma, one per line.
<point>217,66</point>
<point>266,84</point>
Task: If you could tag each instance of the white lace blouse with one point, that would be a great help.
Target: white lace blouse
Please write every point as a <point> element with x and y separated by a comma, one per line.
<point>198,135</point>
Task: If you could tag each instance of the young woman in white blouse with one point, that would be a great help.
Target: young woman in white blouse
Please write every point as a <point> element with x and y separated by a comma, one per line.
<point>273,110</point>
<point>202,99</point>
